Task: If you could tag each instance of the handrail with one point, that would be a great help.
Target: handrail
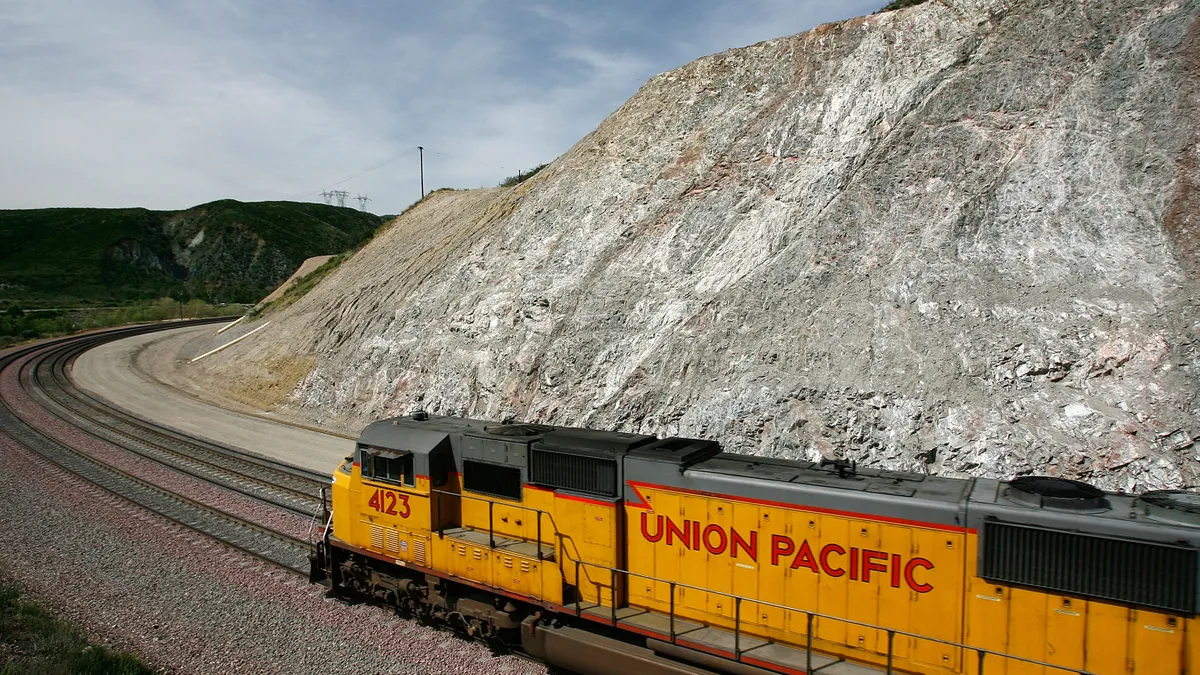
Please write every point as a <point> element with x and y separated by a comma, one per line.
<point>892,633</point>
<point>555,533</point>
<point>810,615</point>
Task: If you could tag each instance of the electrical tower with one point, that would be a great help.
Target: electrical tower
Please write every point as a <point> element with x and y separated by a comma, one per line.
<point>326,195</point>
<point>362,202</point>
<point>340,196</point>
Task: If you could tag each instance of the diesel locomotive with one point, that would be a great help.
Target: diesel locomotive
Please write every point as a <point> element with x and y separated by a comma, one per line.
<point>606,552</point>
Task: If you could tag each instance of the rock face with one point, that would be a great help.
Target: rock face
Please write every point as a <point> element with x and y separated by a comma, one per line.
<point>957,238</point>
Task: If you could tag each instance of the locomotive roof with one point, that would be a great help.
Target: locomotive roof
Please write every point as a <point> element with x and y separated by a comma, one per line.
<point>416,435</point>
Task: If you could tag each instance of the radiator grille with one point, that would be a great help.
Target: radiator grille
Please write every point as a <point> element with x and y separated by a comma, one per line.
<point>1138,573</point>
<point>377,537</point>
<point>419,551</point>
<point>595,475</point>
<point>392,540</point>
<point>492,479</point>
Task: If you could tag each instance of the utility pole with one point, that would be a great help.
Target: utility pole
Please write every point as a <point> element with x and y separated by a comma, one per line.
<point>362,202</point>
<point>421,149</point>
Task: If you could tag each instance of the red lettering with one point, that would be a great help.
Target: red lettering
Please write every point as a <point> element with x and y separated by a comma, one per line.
<point>896,570</point>
<point>781,546</point>
<point>854,563</point>
<point>374,501</point>
<point>695,535</point>
<point>658,529</point>
<point>750,548</point>
<point>871,562</point>
<point>908,574</point>
<point>684,535</point>
<point>722,540</point>
<point>829,569</point>
<point>805,558</point>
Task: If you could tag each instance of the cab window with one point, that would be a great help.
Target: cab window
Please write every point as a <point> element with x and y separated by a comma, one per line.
<point>388,465</point>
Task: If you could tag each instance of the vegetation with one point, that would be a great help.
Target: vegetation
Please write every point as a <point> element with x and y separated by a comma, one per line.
<point>224,251</point>
<point>900,4</point>
<point>17,325</point>
<point>417,203</point>
<point>522,176</point>
<point>32,641</point>
<point>302,286</point>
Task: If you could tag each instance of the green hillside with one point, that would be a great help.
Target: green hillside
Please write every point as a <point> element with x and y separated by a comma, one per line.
<point>224,251</point>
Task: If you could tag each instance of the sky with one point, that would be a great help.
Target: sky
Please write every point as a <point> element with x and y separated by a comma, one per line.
<point>171,103</point>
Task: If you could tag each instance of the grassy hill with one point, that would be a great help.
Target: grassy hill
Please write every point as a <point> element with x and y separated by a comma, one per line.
<point>224,251</point>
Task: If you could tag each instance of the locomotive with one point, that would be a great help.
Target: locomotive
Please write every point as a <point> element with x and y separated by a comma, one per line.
<point>606,552</point>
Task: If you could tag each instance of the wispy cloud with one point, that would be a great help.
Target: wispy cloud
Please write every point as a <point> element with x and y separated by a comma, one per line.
<point>166,105</point>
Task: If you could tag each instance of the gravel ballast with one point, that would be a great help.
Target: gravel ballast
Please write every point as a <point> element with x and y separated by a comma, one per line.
<point>125,460</point>
<point>181,600</point>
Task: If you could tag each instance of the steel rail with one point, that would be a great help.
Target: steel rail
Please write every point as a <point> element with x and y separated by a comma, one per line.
<point>252,480</point>
<point>283,550</point>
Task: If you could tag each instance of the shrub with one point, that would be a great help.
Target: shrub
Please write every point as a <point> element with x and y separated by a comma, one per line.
<point>522,177</point>
<point>900,4</point>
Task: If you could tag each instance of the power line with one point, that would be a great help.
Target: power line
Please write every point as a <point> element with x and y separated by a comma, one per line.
<point>362,202</point>
<point>356,175</point>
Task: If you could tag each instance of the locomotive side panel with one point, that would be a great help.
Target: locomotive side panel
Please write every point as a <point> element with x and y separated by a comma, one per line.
<point>858,569</point>
<point>1065,574</point>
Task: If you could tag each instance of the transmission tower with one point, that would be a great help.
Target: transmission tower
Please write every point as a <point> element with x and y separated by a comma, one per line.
<point>362,202</point>
<point>327,195</point>
<point>340,195</point>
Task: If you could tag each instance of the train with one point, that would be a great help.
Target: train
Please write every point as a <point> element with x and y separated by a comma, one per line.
<point>606,552</point>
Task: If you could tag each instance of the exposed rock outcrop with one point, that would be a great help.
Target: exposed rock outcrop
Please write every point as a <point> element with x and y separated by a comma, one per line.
<point>958,237</point>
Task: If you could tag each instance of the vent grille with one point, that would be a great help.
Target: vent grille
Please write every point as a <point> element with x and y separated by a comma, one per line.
<point>1138,573</point>
<point>419,551</point>
<point>377,537</point>
<point>593,475</point>
<point>492,479</point>
<point>392,541</point>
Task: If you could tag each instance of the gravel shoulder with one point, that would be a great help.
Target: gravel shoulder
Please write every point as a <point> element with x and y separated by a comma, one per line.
<point>188,604</point>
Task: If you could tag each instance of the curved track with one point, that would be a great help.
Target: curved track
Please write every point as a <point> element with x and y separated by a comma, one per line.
<point>41,372</point>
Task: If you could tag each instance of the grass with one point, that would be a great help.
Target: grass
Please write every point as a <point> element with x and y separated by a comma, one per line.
<point>17,325</point>
<point>34,642</point>
<point>417,203</point>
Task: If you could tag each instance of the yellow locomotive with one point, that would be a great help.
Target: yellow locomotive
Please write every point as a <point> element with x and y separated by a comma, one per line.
<point>607,552</point>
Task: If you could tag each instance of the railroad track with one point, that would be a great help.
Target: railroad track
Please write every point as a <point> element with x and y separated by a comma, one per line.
<point>43,377</point>
<point>286,487</point>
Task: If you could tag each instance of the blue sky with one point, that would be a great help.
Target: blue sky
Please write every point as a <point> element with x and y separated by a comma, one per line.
<point>172,103</point>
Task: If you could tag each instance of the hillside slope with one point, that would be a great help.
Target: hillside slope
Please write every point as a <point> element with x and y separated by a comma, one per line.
<point>231,250</point>
<point>955,238</point>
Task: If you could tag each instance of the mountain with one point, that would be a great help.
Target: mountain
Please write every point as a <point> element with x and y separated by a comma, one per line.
<point>957,238</point>
<point>224,251</point>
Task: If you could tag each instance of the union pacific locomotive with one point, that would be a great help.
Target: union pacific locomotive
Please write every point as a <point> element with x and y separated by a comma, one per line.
<point>606,552</point>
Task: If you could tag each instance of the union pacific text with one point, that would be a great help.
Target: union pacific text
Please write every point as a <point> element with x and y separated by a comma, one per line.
<point>832,559</point>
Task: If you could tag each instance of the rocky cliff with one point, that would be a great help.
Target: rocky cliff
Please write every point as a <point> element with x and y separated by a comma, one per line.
<point>957,238</point>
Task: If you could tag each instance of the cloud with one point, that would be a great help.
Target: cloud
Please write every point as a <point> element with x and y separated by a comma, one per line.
<point>167,105</point>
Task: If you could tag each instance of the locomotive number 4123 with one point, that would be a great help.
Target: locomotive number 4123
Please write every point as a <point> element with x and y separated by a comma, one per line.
<point>385,501</point>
